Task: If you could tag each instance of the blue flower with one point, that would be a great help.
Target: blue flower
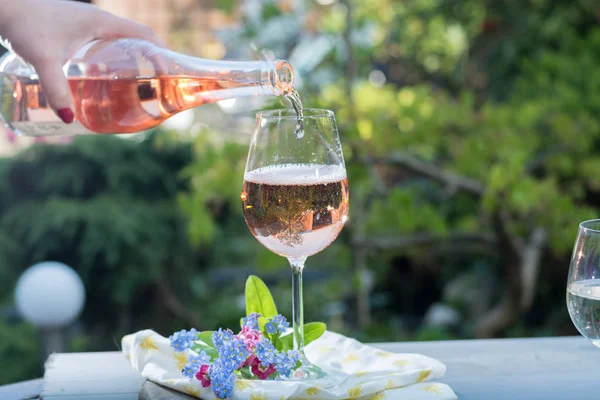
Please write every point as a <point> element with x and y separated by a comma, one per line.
<point>294,356</point>
<point>266,352</point>
<point>180,341</point>
<point>281,323</point>
<point>285,363</point>
<point>232,354</point>
<point>190,370</point>
<point>239,350</point>
<point>251,321</point>
<point>270,328</point>
<point>192,335</point>
<point>199,359</point>
<point>221,338</point>
<point>282,365</point>
<point>222,380</point>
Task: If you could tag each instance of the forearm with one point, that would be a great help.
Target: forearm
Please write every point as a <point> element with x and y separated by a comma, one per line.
<point>11,12</point>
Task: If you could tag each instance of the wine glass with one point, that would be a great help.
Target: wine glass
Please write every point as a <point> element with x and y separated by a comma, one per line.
<point>295,196</point>
<point>583,285</point>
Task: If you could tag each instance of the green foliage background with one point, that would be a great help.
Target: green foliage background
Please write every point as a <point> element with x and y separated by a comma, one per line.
<point>505,94</point>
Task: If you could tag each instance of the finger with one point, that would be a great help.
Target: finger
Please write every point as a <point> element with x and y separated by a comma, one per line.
<point>56,89</point>
<point>124,28</point>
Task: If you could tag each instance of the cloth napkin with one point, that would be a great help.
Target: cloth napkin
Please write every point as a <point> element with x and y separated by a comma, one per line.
<point>371,374</point>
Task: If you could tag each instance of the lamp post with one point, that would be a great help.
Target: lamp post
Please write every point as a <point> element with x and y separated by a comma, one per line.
<point>50,295</point>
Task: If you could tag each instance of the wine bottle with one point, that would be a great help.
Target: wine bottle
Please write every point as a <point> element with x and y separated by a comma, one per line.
<point>130,85</point>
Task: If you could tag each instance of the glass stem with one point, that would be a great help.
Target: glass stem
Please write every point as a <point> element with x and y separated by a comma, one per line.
<point>297,265</point>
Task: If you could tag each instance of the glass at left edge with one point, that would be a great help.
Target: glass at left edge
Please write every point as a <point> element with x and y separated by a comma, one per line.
<point>130,86</point>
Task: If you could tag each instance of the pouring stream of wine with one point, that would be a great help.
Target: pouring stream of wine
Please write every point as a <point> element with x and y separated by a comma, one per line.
<point>294,98</point>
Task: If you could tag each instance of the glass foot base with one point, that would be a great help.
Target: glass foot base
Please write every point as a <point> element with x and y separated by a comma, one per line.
<point>310,372</point>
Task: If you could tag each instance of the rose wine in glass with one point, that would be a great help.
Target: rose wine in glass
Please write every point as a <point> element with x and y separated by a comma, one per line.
<point>295,197</point>
<point>296,210</point>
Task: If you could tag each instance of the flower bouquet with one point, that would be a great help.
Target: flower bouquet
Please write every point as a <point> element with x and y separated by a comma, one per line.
<point>262,349</point>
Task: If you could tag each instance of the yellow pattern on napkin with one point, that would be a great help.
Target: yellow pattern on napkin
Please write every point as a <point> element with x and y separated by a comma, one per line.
<point>423,375</point>
<point>354,392</point>
<point>312,391</point>
<point>431,389</point>
<point>258,396</point>
<point>241,384</point>
<point>148,344</point>
<point>181,360</point>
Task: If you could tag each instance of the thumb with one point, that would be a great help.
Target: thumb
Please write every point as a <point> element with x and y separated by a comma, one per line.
<point>56,89</point>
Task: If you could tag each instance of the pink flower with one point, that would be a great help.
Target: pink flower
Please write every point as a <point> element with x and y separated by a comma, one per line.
<point>251,360</point>
<point>250,337</point>
<point>262,371</point>
<point>202,376</point>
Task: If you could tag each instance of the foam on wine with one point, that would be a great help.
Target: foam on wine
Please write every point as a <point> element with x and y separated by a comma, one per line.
<point>297,174</point>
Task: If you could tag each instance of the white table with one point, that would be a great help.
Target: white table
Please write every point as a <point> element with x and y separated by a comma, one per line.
<point>530,369</point>
<point>565,368</point>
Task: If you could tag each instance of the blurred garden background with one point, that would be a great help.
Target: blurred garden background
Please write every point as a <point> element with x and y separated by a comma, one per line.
<point>471,131</point>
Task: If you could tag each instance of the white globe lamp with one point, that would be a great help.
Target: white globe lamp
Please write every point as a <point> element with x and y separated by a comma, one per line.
<point>50,295</point>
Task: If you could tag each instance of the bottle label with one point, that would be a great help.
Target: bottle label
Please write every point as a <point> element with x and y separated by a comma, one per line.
<point>49,128</point>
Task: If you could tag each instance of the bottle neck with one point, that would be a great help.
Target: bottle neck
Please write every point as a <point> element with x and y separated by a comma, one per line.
<point>280,77</point>
<point>240,78</point>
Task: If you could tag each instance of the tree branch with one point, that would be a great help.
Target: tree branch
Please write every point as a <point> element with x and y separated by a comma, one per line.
<point>530,265</point>
<point>421,239</point>
<point>450,179</point>
<point>507,311</point>
<point>499,317</point>
<point>521,265</point>
<point>176,306</point>
<point>510,247</point>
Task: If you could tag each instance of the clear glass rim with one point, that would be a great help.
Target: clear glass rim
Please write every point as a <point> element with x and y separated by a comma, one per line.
<point>585,225</point>
<point>290,113</point>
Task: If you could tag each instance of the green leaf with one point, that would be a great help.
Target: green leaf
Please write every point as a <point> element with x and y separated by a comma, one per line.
<point>210,351</point>
<point>312,331</point>
<point>246,374</point>
<point>258,298</point>
<point>279,344</point>
<point>262,321</point>
<point>286,343</point>
<point>206,337</point>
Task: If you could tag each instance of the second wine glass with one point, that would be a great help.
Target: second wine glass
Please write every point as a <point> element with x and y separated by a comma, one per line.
<point>295,196</point>
<point>583,284</point>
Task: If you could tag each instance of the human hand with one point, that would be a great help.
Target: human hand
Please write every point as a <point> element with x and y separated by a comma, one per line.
<point>47,33</point>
